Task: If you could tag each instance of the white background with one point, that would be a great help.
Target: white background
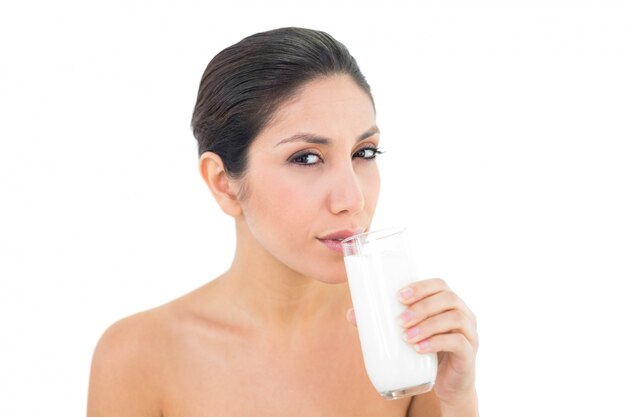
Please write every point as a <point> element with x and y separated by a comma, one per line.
<point>504,126</point>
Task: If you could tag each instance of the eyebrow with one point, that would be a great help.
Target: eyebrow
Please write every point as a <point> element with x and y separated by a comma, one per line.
<point>321,140</point>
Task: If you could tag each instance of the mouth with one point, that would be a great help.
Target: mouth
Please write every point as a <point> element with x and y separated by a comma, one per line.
<point>333,240</point>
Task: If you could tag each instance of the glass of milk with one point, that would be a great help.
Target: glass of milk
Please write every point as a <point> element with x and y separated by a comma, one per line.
<point>379,264</point>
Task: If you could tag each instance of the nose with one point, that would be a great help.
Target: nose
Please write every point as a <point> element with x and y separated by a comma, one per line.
<point>346,192</point>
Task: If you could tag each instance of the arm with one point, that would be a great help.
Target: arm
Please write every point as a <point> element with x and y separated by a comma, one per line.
<point>424,405</point>
<point>428,405</point>
<point>122,382</point>
<point>466,406</point>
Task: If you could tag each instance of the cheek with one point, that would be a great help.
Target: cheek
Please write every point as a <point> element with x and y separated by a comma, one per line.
<point>279,202</point>
<point>281,212</point>
<point>281,197</point>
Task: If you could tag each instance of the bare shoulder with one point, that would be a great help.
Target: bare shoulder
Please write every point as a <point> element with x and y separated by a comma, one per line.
<point>137,356</point>
<point>125,367</point>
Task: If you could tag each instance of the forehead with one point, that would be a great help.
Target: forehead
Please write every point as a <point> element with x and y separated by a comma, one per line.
<point>334,107</point>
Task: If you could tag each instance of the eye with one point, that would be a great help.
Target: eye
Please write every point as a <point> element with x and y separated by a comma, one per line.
<point>306,159</point>
<point>367,153</point>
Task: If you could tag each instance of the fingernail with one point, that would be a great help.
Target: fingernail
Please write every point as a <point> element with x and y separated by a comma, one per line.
<point>405,293</point>
<point>350,316</point>
<point>420,347</point>
<point>405,317</point>
<point>411,333</point>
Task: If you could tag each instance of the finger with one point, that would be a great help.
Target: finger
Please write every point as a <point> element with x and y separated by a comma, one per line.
<point>350,316</point>
<point>446,322</point>
<point>421,289</point>
<point>426,288</point>
<point>454,343</point>
<point>428,307</point>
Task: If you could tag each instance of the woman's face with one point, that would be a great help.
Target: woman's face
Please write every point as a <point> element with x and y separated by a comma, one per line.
<point>312,177</point>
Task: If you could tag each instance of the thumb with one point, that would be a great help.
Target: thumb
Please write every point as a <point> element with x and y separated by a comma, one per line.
<point>350,316</point>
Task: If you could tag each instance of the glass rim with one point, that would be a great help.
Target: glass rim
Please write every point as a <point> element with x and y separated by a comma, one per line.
<point>385,232</point>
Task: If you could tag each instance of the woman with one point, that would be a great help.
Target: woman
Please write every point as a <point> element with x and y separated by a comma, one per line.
<point>288,141</point>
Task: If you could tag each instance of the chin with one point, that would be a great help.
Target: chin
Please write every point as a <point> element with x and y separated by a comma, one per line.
<point>321,269</point>
<point>332,280</point>
<point>335,277</point>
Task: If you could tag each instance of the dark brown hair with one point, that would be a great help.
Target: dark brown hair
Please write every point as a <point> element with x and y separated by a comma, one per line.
<point>244,84</point>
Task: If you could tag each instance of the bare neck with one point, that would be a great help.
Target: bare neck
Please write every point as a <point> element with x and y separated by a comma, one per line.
<point>271,294</point>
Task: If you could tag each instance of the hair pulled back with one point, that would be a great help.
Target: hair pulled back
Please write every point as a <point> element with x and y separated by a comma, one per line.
<point>245,83</point>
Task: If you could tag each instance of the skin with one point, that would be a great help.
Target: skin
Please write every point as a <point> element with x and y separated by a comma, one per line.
<point>269,336</point>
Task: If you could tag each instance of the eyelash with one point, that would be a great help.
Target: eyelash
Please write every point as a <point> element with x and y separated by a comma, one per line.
<point>358,154</point>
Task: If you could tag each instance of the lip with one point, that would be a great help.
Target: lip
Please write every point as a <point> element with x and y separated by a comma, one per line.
<point>333,240</point>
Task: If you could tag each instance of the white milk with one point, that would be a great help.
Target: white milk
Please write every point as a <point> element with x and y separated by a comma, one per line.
<point>391,363</point>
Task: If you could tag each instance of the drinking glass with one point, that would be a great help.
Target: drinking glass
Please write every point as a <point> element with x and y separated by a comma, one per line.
<point>378,264</point>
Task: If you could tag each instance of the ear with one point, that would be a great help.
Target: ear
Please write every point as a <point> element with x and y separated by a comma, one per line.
<point>222,187</point>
